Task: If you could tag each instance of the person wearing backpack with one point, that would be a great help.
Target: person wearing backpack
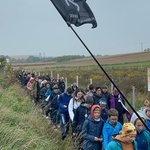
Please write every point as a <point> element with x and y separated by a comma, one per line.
<point>63,102</point>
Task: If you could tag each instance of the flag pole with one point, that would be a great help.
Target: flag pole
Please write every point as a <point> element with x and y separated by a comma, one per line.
<point>108,76</point>
<point>101,67</point>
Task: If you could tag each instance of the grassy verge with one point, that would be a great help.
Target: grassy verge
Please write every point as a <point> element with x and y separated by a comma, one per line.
<point>23,126</point>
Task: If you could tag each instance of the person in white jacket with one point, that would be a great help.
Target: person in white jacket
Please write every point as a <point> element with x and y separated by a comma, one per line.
<point>77,99</point>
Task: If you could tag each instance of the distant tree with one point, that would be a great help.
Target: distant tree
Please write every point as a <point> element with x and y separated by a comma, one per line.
<point>32,59</point>
<point>2,61</point>
<point>67,58</point>
<point>147,50</point>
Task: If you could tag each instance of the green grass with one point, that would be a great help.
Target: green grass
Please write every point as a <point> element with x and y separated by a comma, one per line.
<point>22,125</point>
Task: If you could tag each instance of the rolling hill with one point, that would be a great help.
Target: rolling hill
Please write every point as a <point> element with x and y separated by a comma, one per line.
<point>104,60</point>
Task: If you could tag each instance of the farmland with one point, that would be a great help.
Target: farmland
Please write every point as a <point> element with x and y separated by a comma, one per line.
<point>123,59</point>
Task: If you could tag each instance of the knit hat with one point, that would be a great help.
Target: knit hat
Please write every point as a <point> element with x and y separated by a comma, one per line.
<point>128,129</point>
<point>102,101</point>
<point>89,100</point>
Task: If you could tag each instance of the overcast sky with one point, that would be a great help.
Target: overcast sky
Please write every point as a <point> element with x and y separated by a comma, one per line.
<point>31,27</point>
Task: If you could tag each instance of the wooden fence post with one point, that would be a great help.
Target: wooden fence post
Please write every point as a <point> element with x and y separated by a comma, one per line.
<point>91,81</point>
<point>77,81</point>
<point>51,75</point>
<point>133,97</point>
<point>66,83</point>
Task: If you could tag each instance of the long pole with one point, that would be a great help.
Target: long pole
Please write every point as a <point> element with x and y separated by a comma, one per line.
<point>102,68</point>
<point>108,76</point>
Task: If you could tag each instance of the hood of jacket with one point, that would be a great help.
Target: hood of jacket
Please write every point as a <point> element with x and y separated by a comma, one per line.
<point>134,117</point>
<point>93,109</point>
<point>119,138</point>
<point>144,113</point>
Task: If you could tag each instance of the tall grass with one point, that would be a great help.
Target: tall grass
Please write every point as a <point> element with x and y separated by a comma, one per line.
<point>22,126</point>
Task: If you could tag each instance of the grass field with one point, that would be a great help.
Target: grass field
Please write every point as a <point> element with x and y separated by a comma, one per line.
<point>131,59</point>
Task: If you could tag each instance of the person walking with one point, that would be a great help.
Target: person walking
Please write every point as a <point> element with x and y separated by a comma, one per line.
<point>63,102</point>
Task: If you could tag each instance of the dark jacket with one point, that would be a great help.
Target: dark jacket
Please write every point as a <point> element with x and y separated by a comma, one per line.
<point>143,140</point>
<point>96,98</point>
<point>81,114</point>
<point>61,86</point>
<point>52,101</point>
<point>114,103</point>
<point>104,114</point>
<point>42,92</point>
<point>92,128</point>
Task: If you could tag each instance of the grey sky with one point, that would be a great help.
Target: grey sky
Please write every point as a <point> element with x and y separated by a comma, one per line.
<point>30,27</point>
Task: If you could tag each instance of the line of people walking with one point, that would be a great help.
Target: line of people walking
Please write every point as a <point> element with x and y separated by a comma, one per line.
<point>98,119</point>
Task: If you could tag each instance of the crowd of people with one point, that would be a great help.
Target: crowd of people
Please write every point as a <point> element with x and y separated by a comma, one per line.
<point>97,117</point>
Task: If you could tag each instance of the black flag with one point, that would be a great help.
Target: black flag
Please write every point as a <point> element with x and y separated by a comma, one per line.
<point>75,12</point>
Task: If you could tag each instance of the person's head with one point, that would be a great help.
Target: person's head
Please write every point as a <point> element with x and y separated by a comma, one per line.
<point>96,111</point>
<point>74,84</point>
<point>91,87</point>
<point>98,90</point>
<point>146,103</point>
<point>54,79</point>
<point>40,80</point>
<point>47,84</point>
<point>102,103</point>
<point>31,80</point>
<point>104,88</point>
<point>115,91</point>
<point>137,122</point>
<point>113,116</point>
<point>32,75</point>
<point>87,87</point>
<point>61,79</point>
<point>69,91</point>
<point>36,78</point>
<point>89,101</point>
<point>128,132</point>
<point>147,112</point>
<point>79,94</point>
